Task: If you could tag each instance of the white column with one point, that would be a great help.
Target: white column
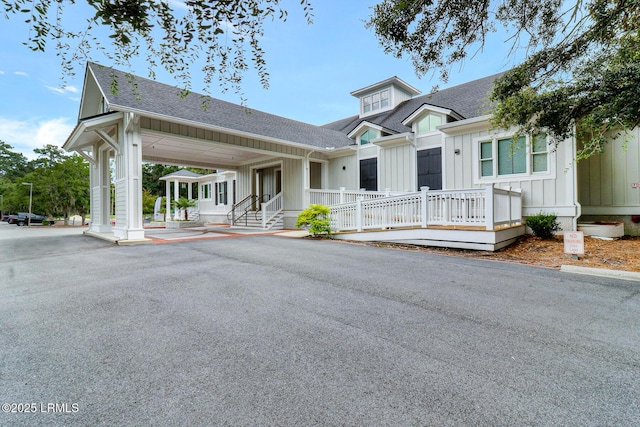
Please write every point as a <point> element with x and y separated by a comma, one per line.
<point>176,196</point>
<point>167,214</point>
<point>100,191</point>
<point>129,222</point>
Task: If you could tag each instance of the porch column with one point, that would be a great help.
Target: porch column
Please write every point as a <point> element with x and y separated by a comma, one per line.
<point>176,196</point>
<point>99,174</point>
<point>167,214</point>
<point>306,179</point>
<point>129,223</point>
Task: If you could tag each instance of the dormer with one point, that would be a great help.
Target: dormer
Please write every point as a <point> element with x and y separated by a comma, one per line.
<point>384,96</point>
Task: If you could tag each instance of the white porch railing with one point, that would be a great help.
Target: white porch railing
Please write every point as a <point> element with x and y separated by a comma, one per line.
<point>490,207</point>
<point>338,197</point>
<point>270,209</point>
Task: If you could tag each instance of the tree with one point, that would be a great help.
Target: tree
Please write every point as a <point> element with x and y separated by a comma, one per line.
<point>582,70</point>
<point>12,164</point>
<point>221,33</point>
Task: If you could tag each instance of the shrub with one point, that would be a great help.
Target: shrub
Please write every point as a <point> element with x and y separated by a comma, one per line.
<point>543,225</point>
<point>316,219</point>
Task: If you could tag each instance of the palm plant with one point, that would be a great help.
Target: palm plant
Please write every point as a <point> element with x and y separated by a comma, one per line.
<point>184,204</point>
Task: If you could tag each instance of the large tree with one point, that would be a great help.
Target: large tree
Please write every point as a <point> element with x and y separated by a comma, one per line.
<point>223,36</point>
<point>581,71</point>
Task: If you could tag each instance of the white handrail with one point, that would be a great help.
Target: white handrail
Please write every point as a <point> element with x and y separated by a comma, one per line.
<point>270,209</point>
<point>490,207</point>
<point>338,197</point>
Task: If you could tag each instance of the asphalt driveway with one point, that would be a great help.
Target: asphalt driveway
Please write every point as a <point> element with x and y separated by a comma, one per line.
<point>267,330</point>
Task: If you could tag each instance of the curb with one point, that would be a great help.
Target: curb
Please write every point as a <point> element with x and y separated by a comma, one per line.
<point>601,272</point>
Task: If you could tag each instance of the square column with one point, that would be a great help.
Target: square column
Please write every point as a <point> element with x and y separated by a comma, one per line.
<point>129,222</point>
<point>99,175</point>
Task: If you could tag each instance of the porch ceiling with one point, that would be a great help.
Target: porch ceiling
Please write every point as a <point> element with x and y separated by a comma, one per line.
<point>172,149</point>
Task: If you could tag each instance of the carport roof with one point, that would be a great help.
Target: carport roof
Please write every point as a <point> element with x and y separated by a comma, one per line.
<point>141,95</point>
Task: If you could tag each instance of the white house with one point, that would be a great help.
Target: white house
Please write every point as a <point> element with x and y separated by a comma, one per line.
<point>481,181</point>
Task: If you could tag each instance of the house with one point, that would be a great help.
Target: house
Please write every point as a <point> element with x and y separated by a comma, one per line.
<point>376,165</point>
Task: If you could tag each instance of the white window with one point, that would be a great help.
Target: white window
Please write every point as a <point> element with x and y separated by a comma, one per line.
<point>505,156</point>
<point>205,191</point>
<point>428,123</point>
<point>376,101</point>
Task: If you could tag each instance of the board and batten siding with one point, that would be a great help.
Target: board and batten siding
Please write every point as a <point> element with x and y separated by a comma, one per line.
<point>343,172</point>
<point>551,194</point>
<point>609,182</point>
<point>292,180</point>
<point>397,168</point>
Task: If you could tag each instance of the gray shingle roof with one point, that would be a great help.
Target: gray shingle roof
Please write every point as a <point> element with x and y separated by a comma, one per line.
<point>138,93</point>
<point>182,173</point>
<point>468,100</point>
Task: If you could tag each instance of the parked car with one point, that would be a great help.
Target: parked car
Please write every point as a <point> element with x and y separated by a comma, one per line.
<point>23,219</point>
<point>5,217</point>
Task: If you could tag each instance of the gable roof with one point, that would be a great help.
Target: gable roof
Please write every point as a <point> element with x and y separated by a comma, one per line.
<point>467,100</point>
<point>182,173</point>
<point>141,95</point>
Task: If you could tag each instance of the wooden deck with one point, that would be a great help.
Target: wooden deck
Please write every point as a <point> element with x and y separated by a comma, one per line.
<point>457,236</point>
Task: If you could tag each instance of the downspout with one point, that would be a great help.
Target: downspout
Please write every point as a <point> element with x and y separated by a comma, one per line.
<point>574,147</point>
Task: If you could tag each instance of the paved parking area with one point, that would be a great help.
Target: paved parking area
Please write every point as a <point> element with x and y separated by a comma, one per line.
<point>266,330</point>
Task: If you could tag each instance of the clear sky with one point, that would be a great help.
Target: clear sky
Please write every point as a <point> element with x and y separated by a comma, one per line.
<point>312,68</point>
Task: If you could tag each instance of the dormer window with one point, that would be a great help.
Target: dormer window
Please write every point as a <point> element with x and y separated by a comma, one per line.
<point>368,136</point>
<point>429,123</point>
<point>376,101</point>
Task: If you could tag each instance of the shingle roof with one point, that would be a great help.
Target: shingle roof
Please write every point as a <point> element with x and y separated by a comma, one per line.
<point>137,93</point>
<point>468,100</point>
<point>141,94</point>
<point>182,173</point>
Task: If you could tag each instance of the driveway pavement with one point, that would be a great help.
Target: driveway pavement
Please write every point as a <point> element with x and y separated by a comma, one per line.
<point>267,330</point>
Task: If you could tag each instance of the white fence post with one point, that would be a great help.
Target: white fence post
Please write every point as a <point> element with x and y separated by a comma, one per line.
<point>342,195</point>
<point>359,214</point>
<point>424,206</point>
<point>490,204</point>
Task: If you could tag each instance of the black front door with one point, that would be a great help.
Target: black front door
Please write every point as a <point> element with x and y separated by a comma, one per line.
<point>369,174</point>
<point>430,168</point>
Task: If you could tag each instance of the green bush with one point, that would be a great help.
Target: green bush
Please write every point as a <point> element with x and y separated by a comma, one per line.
<point>543,225</point>
<point>316,219</point>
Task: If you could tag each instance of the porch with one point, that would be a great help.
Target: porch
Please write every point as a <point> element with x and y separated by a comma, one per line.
<point>487,218</point>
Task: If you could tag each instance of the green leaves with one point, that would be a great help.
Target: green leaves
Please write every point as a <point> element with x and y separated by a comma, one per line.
<point>582,70</point>
<point>225,36</point>
<point>316,219</point>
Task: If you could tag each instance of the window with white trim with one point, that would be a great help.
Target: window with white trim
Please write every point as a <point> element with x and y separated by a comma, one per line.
<point>205,191</point>
<point>428,123</point>
<point>376,101</point>
<point>503,156</point>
